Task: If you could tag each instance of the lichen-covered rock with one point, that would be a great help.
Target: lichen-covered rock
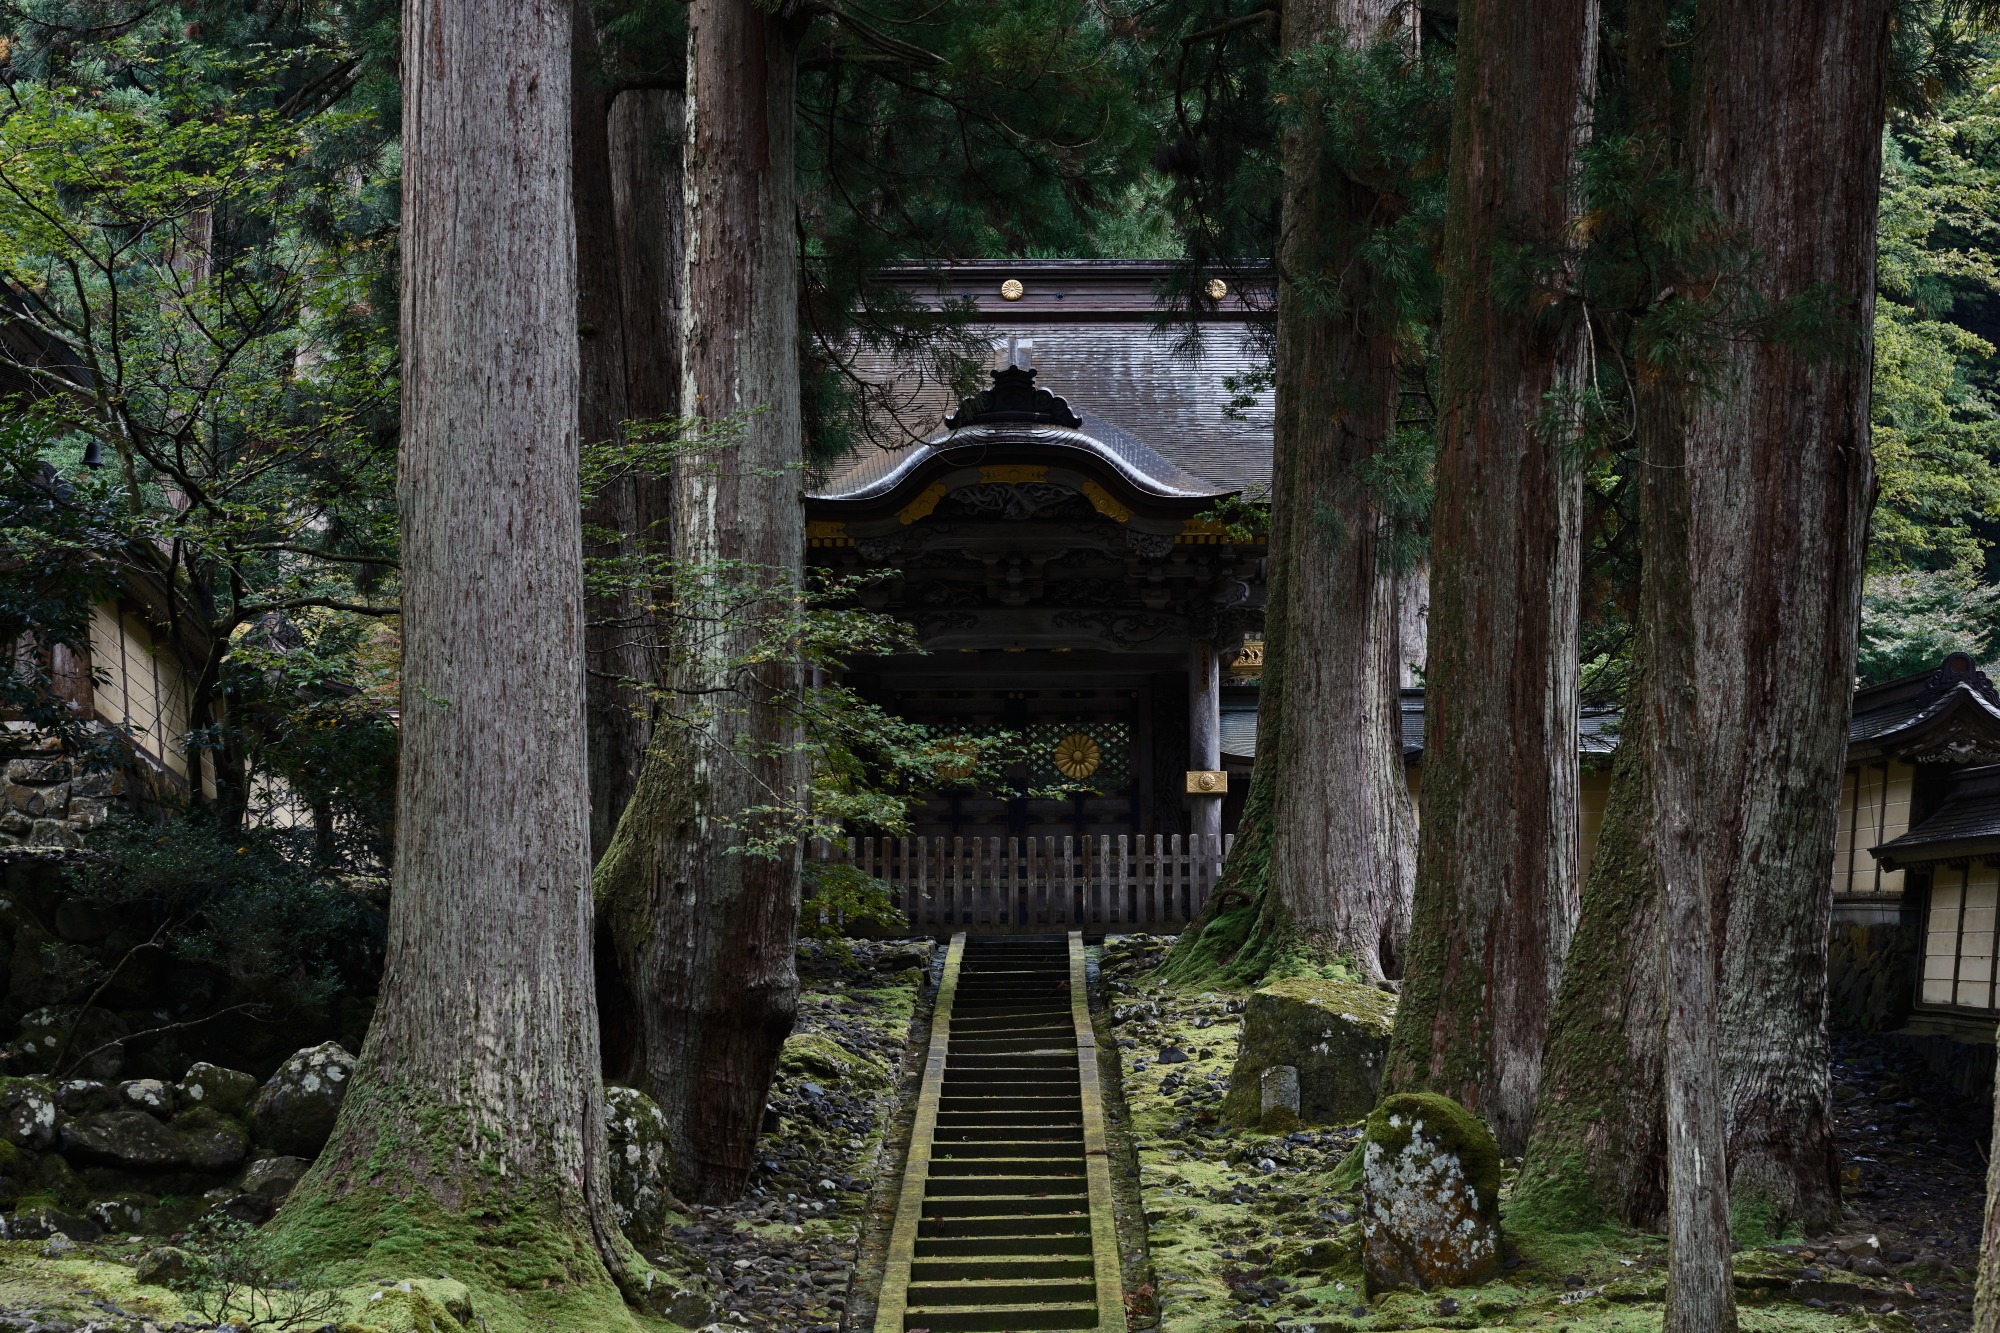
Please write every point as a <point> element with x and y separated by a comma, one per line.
<point>161,1265</point>
<point>212,1141</point>
<point>813,1055</point>
<point>407,1307</point>
<point>225,1090</point>
<point>129,1139</point>
<point>94,1051</point>
<point>294,1113</point>
<point>146,1094</point>
<point>273,1177</point>
<point>28,1113</point>
<point>40,1223</point>
<point>123,1212</point>
<point>1430,1195</point>
<point>85,1096</point>
<point>1334,1033</point>
<point>636,1143</point>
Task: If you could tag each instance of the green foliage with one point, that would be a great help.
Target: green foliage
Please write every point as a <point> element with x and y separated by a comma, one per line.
<point>839,897</point>
<point>53,535</point>
<point>715,626</point>
<point>1910,622</point>
<point>1937,434</point>
<point>238,902</point>
<point>236,1277</point>
<point>198,244</point>
<point>946,131</point>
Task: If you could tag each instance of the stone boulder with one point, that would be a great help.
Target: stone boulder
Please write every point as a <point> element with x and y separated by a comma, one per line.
<point>162,1266</point>
<point>121,1212</point>
<point>294,1113</point>
<point>636,1143</point>
<point>87,1096</point>
<point>28,1113</point>
<point>212,1141</point>
<point>225,1090</point>
<point>1430,1196</point>
<point>407,1307</point>
<point>274,1177</point>
<point>146,1094</point>
<point>94,1052</point>
<point>132,1140</point>
<point>809,1055</point>
<point>1335,1034</point>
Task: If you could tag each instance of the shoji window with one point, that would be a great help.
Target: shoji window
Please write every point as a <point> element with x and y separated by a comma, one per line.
<point>1958,938</point>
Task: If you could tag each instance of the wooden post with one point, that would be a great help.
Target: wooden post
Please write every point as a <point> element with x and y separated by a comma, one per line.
<point>1204,734</point>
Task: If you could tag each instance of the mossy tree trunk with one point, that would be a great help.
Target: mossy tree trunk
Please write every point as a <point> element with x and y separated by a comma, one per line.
<point>475,1116</point>
<point>1326,853</point>
<point>1496,867</point>
<point>1787,143</point>
<point>1597,1152</point>
<point>704,929</point>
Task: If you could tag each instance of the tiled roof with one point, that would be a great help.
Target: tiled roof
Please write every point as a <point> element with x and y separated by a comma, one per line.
<point>1137,388</point>
<point>1967,824</point>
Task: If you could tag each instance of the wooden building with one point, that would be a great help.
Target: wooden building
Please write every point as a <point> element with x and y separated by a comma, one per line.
<point>1053,539</point>
<point>1917,857</point>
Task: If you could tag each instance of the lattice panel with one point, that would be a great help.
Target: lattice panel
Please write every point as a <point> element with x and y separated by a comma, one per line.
<point>1096,754</point>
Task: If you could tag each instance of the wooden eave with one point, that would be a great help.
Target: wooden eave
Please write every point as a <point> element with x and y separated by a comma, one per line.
<point>1030,456</point>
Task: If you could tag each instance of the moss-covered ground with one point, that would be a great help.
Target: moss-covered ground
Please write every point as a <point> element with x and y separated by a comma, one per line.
<point>1255,1231</point>
<point>779,1260</point>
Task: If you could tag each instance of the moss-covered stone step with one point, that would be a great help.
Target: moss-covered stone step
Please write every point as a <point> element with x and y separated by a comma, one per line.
<point>973,1149</point>
<point>1049,1168</point>
<point>1068,1223</point>
<point>987,1268</point>
<point>1002,1318</point>
<point>1006,1243</point>
<point>985,1292</point>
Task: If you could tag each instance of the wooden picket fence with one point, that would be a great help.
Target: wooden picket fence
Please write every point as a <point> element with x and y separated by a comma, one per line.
<point>1145,882</point>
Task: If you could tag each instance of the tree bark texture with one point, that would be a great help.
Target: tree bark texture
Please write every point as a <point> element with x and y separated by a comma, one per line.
<point>1342,839</point>
<point>477,1096</point>
<point>617,325</point>
<point>1496,886</point>
<point>1986,1296</point>
<point>1787,142</point>
<point>1597,1151</point>
<point>645,138</point>
<point>1701,1297</point>
<point>705,930</point>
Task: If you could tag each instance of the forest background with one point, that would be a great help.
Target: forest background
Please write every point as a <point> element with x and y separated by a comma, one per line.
<point>202,246</point>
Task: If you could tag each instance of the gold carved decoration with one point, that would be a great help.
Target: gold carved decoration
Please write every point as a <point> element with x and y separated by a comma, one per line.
<point>922,506</point>
<point>820,532</point>
<point>1012,290</point>
<point>1207,782</point>
<point>1013,474</point>
<point>1105,503</point>
<point>1199,530</point>
<point>1217,289</point>
<point>1077,756</point>
<point>1249,659</point>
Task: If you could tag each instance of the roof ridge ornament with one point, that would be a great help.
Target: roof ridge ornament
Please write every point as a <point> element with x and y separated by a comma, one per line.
<point>1013,397</point>
<point>1959,669</point>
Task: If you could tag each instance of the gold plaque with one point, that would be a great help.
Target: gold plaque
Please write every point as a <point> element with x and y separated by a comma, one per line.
<point>1207,782</point>
<point>1077,756</point>
<point>1217,289</point>
<point>1012,290</point>
<point>1249,660</point>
